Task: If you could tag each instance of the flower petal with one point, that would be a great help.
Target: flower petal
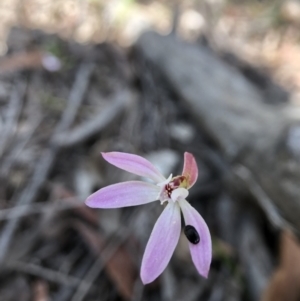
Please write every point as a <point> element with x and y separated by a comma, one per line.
<point>190,169</point>
<point>124,194</point>
<point>179,194</point>
<point>134,164</point>
<point>165,182</point>
<point>201,252</point>
<point>162,243</point>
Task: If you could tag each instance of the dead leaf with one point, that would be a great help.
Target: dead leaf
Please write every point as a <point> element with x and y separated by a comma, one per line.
<point>92,238</point>
<point>20,61</point>
<point>285,283</point>
<point>122,271</point>
<point>40,291</point>
<point>119,266</point>
<point>29,60</point>
<point>61,192</point>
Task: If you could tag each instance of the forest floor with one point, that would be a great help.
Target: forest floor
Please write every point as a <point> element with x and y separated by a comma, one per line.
<point>72,85</point>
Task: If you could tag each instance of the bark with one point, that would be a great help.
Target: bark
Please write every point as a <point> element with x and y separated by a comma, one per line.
<point>260,137</point>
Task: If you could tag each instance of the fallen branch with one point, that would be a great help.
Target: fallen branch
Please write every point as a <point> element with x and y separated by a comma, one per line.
<point>233,113</point>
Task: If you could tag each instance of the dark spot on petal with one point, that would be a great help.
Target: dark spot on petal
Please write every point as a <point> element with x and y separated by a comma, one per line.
<point>191,234</point>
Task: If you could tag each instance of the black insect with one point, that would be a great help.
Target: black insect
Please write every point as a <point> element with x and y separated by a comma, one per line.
<point>191,234</point>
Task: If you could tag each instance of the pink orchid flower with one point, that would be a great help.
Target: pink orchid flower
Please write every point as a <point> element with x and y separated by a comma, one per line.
<point>166,231</point>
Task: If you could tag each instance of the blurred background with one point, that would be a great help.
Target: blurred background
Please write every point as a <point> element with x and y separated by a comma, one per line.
<point>217,78</point>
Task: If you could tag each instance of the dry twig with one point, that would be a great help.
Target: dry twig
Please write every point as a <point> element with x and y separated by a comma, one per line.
<point>29,209</point>
<point>95,125</point>
<point>46,160</point>
<point>48,274</point>
<point>266,204</point>
<point>13,113</point>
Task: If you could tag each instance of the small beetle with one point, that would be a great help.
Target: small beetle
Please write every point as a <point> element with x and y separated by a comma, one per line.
<point>191,234</point>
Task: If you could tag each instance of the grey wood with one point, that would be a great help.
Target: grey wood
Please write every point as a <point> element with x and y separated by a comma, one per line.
<point>232,111</point>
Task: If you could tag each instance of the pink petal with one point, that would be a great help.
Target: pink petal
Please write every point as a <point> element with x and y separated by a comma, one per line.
<point>201,252</point>
<point>125,194</point>
<point>134,164</point>
<point>162,243</point>
<point>190,169</point>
